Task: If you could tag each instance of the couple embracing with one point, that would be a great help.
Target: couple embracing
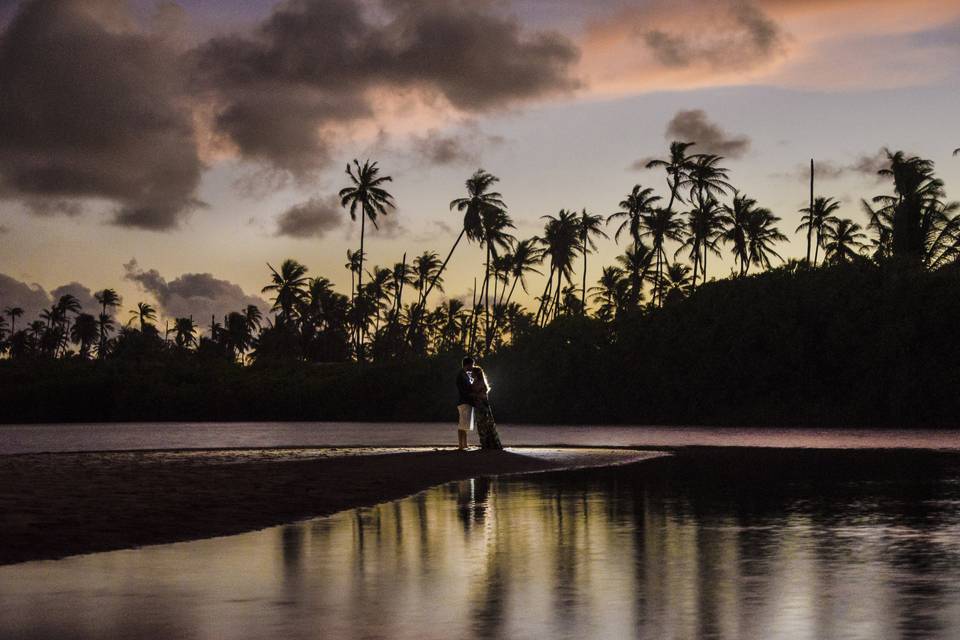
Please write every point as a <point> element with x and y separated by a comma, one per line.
<point>473,405</point>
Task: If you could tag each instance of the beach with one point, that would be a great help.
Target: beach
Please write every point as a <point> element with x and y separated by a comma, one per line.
<point>54,505</point>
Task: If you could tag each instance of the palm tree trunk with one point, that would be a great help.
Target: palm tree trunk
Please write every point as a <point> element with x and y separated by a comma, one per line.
<point>816,249</point>
<point>415,316</point>
<point>543,298</point>
<point>810,213</point>
<point>583,292</point>
<point>359,291</point>
<point>486,301</point>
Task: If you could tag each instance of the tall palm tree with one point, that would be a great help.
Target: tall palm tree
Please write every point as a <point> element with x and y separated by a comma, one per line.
<point>703,227</point>
<point>677,166</point>
<point>814,221</point>
<point>561,242</point>
<point>844,238</point>
<point>104,328</point>
<point>880,225</point>
<point>109,300</point>
<point>661,225</point>
<point>353,265</point>
<point>13,313</point>
<point>495,225</point>
<point>638,203</point>
<point>366,194</point>
<point>590,228</point>
<point>524,259</point>
<point>288,286</point>
<point>84,333</point>
<point>400,276</point>
<point>478,198</point>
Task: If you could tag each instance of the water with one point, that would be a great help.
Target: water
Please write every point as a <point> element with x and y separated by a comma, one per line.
<point>200,435</point>
<point>726,544</point>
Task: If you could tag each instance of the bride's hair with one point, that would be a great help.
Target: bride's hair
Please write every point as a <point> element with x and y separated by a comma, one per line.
<point>480,376</point>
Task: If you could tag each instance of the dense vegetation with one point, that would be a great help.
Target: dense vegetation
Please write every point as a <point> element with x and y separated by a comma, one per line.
<point>862,336</point>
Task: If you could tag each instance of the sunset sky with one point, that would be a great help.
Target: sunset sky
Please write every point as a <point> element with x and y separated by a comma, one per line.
<point>170,150</point>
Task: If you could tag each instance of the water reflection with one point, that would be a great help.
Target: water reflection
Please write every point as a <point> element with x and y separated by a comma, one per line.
<point>747,545</point>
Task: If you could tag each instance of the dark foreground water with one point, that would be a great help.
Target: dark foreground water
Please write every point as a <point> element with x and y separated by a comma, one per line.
<point>733,543</point>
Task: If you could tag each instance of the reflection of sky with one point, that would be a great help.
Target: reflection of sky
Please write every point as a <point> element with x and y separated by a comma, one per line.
<point>847,87</point>
<point>564,559</point>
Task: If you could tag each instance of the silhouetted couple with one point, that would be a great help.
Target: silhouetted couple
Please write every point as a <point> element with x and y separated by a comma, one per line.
<point>473,405</point>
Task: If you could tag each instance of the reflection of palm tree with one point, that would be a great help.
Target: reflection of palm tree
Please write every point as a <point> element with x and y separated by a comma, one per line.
<point>843,239</point>
<point>590,228</point>
<point>815,220</point>
<point>366,194</point>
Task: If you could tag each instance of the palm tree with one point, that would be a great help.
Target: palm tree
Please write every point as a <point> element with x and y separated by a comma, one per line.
<point>638,203</point>
<point>814,221</point>
<point>590,227</point>
<point>13,313</point>
<point>881,225</point>
<point>736,219</point>
<point>108,299</point>
<point>703,227</point>
<point>354,263</point>
<point>636,262</point>
<point>677,166</point>
<point>494,225</point>
<point>844,238</point>
<point>84,333</point>
<point>524,259</point>
<point>104,328</point>
<point>289,286</point>
<point>610,292</point>
<point>426,271</point>
<point>661,225</point>
<point>677,282</point>
<point>366,194</point>
<point>185,330</point>
<point>916,191</point>
<point>706,178</point>
<point>761,235</point>
<point>401,275</point>
<point>144,312</point>
<point>561,242</point>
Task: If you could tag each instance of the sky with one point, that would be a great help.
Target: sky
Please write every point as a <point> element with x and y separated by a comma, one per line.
<point>171,150</point>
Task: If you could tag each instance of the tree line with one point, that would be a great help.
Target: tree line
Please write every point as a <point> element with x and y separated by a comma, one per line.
<point>668,239</point>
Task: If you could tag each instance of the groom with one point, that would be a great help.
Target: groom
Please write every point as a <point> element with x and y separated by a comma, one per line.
<point>464,401</point>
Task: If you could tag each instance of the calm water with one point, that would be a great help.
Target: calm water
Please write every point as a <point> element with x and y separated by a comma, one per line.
<point>738,544</point>
<point>200,435</point>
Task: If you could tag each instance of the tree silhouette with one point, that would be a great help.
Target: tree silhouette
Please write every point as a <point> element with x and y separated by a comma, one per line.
<point>590,228</point>
<point>636,263</point>
<point>661,225</point>
<point>367,195</point>
<point>13,313</point>
<point>843,240</point>
<point>561,242</point>
<point>815,220</point>
<point>288,286</point>
<point>677,166</point>
<point>144,313</point>
<point>638,203</point>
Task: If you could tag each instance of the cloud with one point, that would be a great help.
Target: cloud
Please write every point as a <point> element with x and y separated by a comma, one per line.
<point>313,218</point>
<point>455,148</point>
<point>32,298</point>
<point>313,66</point>
<point>90,107</point>
<point>200,295</point>
<point>83,295</point>
<point>865,165</point>
<point>695,126</point>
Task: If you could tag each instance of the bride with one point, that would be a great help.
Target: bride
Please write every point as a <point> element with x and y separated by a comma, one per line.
<point>483,415</point>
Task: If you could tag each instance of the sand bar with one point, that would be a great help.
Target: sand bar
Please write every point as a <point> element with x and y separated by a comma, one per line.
<point>54,505</point>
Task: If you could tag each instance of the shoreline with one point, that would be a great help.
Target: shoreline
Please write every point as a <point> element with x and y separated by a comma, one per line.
<point>55,505</point>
